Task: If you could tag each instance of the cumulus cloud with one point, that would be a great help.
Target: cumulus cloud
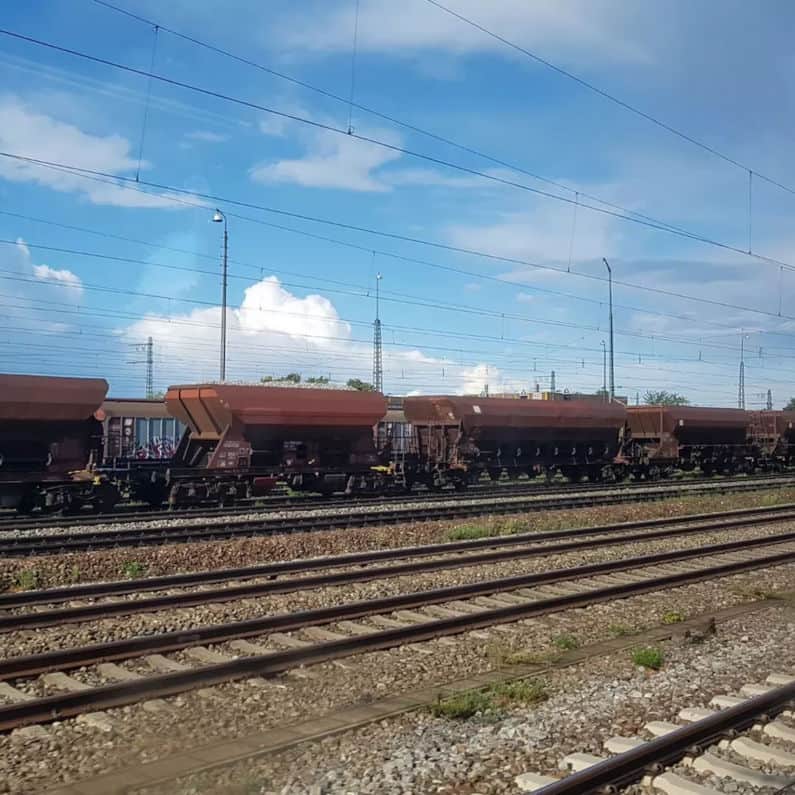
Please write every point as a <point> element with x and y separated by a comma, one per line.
<point>45,273</point>
<point>273,331</point>
<point>206,136</point>
<point>33,134</point>
<point>331,161</point>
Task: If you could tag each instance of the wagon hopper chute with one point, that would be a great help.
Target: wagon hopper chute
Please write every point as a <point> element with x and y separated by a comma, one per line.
<point>50,441</point>
<point>316,439</point>
<point>459,438</point>
<point>666,437</point>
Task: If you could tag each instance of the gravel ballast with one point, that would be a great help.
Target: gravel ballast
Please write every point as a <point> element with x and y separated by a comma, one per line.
<point>71,568</point>
<point>74,749</point>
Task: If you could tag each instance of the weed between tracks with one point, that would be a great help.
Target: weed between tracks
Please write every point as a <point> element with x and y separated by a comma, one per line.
<point>649,657</point>
<point>587,517</point>
<point>491,700</point>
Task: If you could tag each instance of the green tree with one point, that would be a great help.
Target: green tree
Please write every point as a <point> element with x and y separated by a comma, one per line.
<point>664,398</point>
<point>317,379</point>
<point>362,386</point>
<point>290,378</point>
<point>791,405</point>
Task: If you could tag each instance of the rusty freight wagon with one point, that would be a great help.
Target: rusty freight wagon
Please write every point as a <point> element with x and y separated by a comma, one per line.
<point>50,442</point>
<point>456,439</point>
<point>240,438</point>
<point>664,438</point>
<point>772,435</point>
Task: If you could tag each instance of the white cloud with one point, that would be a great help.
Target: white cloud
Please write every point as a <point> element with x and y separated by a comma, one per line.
<point>44,273</point>
<point>578,29</point>
<point>331,161</point>
<point>31,291</point>
<point>206,136</point>
<point>36,135</point>
<point>274,331</point>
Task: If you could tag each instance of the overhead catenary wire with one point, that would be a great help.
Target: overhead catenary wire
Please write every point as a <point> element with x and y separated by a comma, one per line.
<point>609,96</point>
<point>128,183</point>
<point>625,216</point>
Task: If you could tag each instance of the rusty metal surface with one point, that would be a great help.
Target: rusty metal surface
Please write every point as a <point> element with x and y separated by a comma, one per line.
<point>783,422</point>
<point>679,420</point>
<point>477,412</point>
<point>50,398</point>
<point>134,407</point>
<point>208,409</point>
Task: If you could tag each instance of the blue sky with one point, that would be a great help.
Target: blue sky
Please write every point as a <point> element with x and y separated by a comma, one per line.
<point>92,267</point>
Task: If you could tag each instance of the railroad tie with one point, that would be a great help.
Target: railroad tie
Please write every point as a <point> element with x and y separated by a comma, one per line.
<point>9,693</point>
<point>321,634</point>
<point>61,681</point>
<point>658,728</point>
<point>671,784</point>
<point>618,744</point>
<point>780,731</point>
<point>691,714</point>
<point>751,749</point>
<point>288,641</point>
<point>725,702</point>
<point>750,690</point>
<point>779,679</point>
<point>356,629</point>
<point>204,655</point>
<point>580,761</point>
<point>164,665</point>
<point>529,782</point>
<point>710,763</point>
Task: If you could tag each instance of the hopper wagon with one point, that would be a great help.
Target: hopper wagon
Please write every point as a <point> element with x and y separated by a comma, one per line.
<point>51,442</point>
<point>664,438</point>
<point>457,439</point>
<point>239,439</point>
<point>773,437</point>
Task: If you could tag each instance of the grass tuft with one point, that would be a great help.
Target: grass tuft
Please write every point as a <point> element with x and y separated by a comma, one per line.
<point>133,569</point>
<point>27,580</point>
<point>673,617</point>
<point>648,657</point>
<point>493,699</point>
<point>566,642</point>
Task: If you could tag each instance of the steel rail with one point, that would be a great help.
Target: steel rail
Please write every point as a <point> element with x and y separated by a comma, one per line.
<point>744,516</point>
<point>283,622</point>
<point>317,501</point>
<point>54,617</point>
<point>64,542</point>
<point>61,706</point>
<point>630,766</point>
<point>312,501</point>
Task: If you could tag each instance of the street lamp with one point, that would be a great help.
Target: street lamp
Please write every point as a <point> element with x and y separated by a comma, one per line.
<point>218,217</point>
<point>604,369</point>
<point>612,363</point>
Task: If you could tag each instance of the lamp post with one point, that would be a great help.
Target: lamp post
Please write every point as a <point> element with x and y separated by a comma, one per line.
<point>218,217</point>
<point>612,361</point>
<point>604,369</point>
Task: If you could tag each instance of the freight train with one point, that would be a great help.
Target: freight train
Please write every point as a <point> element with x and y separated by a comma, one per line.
<point>59,450</point>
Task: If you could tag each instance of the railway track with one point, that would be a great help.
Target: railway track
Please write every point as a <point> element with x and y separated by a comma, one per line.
<point>54,543</point>
<point>359,567</point>
<point>289,640</point>
<point>743,725</point>
<point>12,521</point>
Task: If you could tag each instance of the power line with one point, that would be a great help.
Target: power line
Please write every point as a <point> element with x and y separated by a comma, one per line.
<point>129,184</point>
<point>611,97</point>
<point>633,218</point>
